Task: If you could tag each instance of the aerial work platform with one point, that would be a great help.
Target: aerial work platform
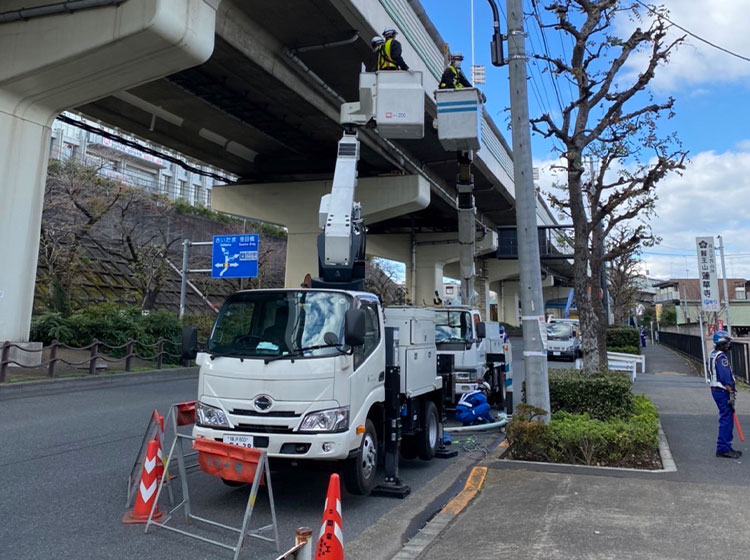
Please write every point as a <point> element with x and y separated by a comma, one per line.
<point>459,113</point>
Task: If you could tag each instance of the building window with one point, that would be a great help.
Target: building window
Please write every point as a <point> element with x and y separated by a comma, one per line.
<point>197,195</point>
<point>739,292</point>
<point>183,190</point>
<point>208,198</point>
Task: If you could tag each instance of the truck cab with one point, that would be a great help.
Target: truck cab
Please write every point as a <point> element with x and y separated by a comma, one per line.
<point>476,349</point>
<point>301,373</point>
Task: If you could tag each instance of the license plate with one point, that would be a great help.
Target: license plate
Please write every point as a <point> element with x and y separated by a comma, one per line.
<point>555,353</point>
<point>242,441</point>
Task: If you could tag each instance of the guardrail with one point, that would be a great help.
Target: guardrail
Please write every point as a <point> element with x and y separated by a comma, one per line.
<point>690,344</point>
<point>620,361</point>
<point>95,355</point>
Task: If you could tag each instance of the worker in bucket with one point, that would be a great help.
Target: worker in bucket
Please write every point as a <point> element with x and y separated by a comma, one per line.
<point>723,391</point>
<point>389,53</point>
<point>453,77</point>
<point>473,407</point>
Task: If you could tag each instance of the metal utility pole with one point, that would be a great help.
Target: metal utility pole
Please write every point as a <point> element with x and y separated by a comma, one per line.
<point>532,302</point>
<point>724,279</point>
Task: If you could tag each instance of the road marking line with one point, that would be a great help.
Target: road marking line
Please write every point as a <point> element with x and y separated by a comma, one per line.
<point>471,488</point>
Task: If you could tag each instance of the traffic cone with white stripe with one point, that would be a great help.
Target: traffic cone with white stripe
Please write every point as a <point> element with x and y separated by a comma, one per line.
<point>331,541</point>
<point>146,496</point>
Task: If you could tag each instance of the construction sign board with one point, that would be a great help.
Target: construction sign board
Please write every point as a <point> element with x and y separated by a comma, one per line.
<point>707,281</point>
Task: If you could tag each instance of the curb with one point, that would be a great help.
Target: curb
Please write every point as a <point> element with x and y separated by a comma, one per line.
<point>52,386</point>
<point>416,545</point>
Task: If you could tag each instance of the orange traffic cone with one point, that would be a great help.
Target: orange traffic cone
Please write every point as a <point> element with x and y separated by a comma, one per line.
<point>331,541</point>
<point>146,497</point>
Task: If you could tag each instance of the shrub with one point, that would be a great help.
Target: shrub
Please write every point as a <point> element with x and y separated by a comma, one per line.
<point>625,349</point>
<point>618,337</point>
<point>204,323</point>
<point>602,396</point>
<point>580,439</point>
<point>50,326</point>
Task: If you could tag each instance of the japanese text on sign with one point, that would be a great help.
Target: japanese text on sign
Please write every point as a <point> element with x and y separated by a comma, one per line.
<point>708,284</point>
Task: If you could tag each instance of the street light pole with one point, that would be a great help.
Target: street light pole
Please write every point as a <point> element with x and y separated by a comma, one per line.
<point>532,301</point>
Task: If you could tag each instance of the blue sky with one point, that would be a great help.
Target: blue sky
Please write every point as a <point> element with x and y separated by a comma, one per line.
<point>712,92</point>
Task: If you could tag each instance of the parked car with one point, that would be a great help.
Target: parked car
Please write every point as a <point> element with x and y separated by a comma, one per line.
<point>563,341</point>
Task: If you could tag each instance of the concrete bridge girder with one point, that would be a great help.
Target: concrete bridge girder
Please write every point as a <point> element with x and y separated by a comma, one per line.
<point>58,62</point>
<point>295,206</point>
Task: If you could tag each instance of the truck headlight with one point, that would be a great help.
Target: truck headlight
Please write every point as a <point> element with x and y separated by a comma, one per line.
<point>211,416</point>
<point>331,420</point>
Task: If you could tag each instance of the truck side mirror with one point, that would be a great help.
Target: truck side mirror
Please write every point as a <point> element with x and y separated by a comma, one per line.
<point>189,342</point>
<point>354,327</point>
<point>481,330</point>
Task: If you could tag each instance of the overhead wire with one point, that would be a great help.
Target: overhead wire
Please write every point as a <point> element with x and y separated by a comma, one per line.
<point>653,10</point>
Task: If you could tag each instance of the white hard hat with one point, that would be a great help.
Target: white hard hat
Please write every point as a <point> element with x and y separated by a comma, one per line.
<point>484,386</point>
<point>389,32</point>
<point>377,39</point>
<point>457,56</point>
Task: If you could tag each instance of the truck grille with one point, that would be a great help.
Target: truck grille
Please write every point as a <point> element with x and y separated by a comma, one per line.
<point>259,428</point>
<point>272,414</point>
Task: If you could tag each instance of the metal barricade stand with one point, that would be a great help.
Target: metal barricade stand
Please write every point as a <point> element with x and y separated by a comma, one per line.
<point>230,462</point>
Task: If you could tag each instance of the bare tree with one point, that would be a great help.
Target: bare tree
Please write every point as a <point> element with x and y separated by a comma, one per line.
<point>622,276</point>
<point>612,118</point>
<point>380,279</point>
<point>76,200</point>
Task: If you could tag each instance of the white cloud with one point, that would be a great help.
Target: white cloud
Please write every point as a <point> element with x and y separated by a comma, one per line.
<point>712,197</point>
<point>722,22</point>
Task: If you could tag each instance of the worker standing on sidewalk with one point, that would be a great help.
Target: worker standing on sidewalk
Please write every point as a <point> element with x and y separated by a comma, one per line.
<point>723,390</point>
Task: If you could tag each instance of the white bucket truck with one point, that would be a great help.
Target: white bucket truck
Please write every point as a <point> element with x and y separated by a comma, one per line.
<point>471,349</point>
<point>313,374</point>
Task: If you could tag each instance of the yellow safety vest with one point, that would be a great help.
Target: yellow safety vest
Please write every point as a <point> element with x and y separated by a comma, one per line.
<point>456,83</point>
<point>385,62</point>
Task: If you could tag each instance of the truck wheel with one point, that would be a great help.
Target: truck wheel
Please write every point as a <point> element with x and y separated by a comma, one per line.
<point>360,471</point>
<point>428,438</point>
<point>408,447</point>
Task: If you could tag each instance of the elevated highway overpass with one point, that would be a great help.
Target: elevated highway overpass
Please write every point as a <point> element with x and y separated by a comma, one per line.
<point>253,87</point>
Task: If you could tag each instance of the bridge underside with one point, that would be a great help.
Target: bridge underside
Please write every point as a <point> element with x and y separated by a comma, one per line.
<point>264,116</point>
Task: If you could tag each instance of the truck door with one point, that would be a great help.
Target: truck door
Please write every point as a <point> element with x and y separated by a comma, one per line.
<point>369,359</point>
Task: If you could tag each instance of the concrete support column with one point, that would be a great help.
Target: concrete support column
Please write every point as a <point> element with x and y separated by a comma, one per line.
<point>58,62</point>
<point>482,287</point>
<point>508,307</point>
<point>429,278</point>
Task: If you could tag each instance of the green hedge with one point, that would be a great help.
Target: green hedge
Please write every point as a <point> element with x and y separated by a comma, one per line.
<point>580,439</point>
<point>601,396</point>
<point>617,337</point>
<point>112,326</point>
<point>624,349</point>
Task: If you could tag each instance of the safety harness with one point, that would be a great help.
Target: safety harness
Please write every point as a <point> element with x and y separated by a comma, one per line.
<point>456,83</point>
<point>385,62</point>
<point>714,383</point>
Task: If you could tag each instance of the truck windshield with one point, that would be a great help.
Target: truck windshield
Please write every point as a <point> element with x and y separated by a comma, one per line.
<point>559,331</point>
<point>452,326</point>
<point>262,324</point>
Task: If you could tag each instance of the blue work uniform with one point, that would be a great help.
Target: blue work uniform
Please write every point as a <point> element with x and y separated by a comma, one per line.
<point>473,406</point>
<point>721,379</point>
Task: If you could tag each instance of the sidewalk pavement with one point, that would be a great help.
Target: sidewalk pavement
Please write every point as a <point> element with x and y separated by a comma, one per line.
<point>544,512</point>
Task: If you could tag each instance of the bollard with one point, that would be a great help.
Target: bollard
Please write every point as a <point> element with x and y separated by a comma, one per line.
<point>92,360</point>
<point>304,535</point>
<point>129,355</point>
<point>4,355</point>
<point>52,358</point>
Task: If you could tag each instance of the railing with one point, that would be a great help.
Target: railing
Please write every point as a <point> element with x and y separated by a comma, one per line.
<point>690,344</point>
<point>94,355</point>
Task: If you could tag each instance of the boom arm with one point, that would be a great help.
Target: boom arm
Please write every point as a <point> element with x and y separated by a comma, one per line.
<point>341,246</point>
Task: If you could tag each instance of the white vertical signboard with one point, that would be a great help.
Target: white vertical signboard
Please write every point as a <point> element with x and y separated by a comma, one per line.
<point>707,282</point>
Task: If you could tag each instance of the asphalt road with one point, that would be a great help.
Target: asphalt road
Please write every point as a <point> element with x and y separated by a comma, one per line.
<point>65,461</point>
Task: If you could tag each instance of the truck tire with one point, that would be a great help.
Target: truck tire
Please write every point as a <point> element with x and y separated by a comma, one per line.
<point>427,442</point>
<point>360,472</point>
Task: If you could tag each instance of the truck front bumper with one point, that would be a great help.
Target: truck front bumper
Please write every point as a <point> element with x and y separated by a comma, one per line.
<point>329,447</point>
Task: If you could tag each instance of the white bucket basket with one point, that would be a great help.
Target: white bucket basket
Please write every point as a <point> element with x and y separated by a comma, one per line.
<point>399,104</point>
<point>459,113</point>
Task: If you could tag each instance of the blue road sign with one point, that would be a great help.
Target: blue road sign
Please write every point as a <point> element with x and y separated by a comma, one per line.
<point>235,256</point>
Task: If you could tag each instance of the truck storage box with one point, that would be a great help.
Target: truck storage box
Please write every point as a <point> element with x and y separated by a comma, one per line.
<point>459,112</point>
<point>416,351</point>
<point>399,104</point>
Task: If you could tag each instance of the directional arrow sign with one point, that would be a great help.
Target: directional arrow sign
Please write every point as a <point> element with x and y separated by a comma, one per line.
<point>235,256</point>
